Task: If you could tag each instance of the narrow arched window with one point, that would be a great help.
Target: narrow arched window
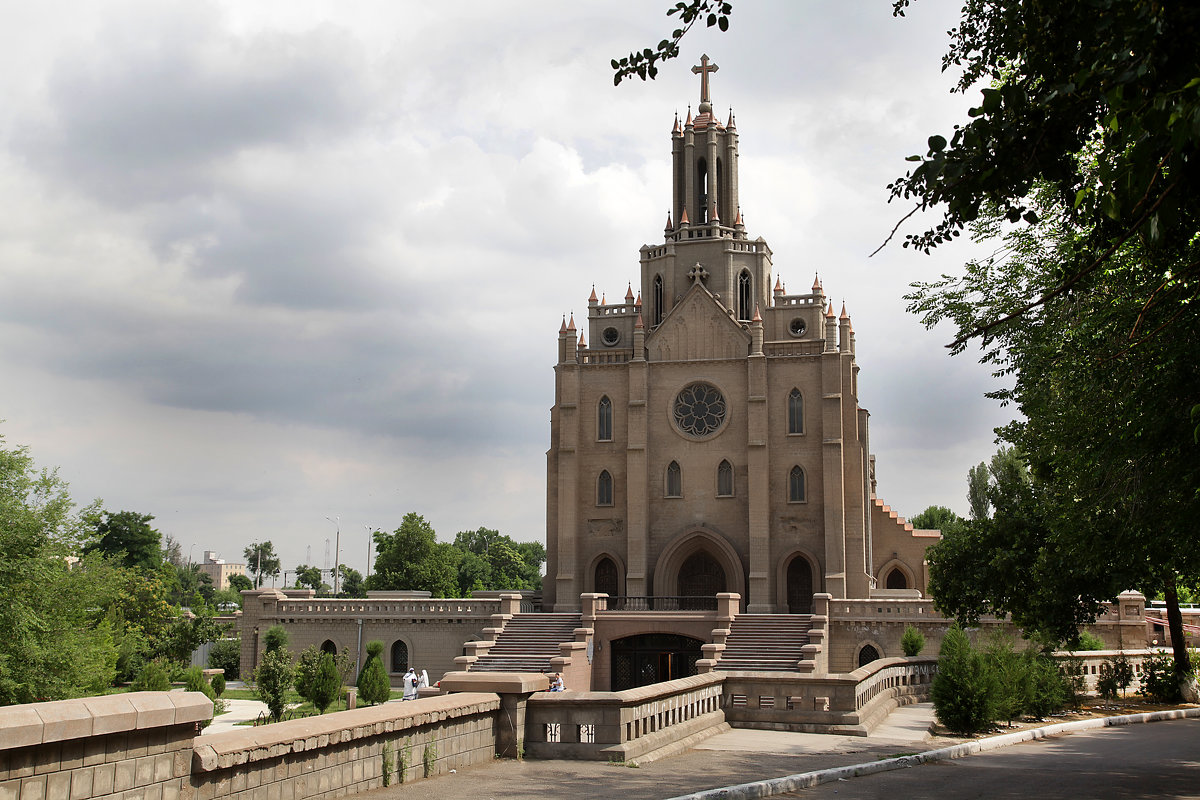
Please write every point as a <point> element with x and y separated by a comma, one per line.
<point>399,656</point>
<point>795,412</point>
<point>674,480</point>
<point>701,191</point>
<point>656,300</point>
<point>725,479</point>
<point>896,579</point>
<point>796,485</point>
<point>604,420</point>
<point>604,489</point>
<point>744,295</point>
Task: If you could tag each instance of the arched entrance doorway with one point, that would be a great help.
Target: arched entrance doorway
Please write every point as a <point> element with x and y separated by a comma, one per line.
<point>701,576</point>
<point>607,580</point>
<point>799,586</point>
<point>896,579</point>
<point>652,658</point>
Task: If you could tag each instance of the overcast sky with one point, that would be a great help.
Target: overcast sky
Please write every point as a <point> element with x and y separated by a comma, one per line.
<point>266,263</point>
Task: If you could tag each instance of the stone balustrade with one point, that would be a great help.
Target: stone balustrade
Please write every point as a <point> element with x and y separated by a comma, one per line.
<point>374,608</point>
<point>623,726</point>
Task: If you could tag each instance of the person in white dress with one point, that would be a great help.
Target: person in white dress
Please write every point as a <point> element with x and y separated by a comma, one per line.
<point>410,684</point>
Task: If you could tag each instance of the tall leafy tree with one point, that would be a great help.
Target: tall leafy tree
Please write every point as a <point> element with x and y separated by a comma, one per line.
<point>128,537</point>
<point>309,577</point>
<point>1105,396</point>
<point>261,561</point>
<point>412,558</point>
<point>937,518</point>
<point>977,486</point>
<point>352,583</point>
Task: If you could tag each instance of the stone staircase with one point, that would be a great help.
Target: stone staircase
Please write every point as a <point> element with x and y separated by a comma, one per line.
<point>766,643</point>
<point>528,642</point>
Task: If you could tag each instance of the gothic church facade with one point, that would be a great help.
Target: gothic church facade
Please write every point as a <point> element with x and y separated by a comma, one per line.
<point>706,434</point>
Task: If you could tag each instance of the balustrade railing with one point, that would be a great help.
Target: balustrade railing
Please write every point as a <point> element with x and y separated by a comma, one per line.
<point>368,607</point>
<point>628,603</point>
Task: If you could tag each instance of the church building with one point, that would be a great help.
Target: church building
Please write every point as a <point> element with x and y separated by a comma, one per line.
<point>706,434</point>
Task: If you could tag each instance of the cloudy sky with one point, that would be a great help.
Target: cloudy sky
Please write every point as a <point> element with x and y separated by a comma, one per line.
<point>267,263</point>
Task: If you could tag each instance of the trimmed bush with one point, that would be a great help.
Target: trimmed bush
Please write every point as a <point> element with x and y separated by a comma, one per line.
<point>276,638</point>
<point>912,642</point>
<point>374,687</point>
<point>273,679</point>
<point>153,677</point>
<point>226,654</point>
<point>218,684</point>
<point>964,690</point>
<point>1159,681</point>
<point>326,684</point>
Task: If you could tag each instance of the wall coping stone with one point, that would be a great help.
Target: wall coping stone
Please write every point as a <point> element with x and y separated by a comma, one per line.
<point>232,748</point>
<point>61,720</point>
<point>495,682</point>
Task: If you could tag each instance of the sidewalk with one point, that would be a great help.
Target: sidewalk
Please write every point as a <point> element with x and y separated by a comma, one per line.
<point>738,756</point>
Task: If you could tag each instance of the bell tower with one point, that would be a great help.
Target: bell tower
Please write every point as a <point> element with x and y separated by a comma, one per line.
<point>704,164</point>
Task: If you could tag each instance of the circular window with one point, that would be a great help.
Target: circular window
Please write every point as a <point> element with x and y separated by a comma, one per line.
<point>700,410</point>
<point>797,327</point>
<point>610,336</point>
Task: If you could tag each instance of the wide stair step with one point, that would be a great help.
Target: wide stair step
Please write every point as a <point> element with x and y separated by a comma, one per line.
<point>528,642</point>
<point>765,642</point>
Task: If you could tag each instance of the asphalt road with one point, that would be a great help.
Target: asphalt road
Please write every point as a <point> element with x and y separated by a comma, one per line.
<point>1159,760</point>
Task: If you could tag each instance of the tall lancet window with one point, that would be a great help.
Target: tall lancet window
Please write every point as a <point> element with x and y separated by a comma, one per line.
<point>674,480</point>
<point>796,485</point>
<point>656,301</point>
<point>725,479</point>
<point>795,412</point>
<point>604,489</point>
<point>702,189</point>
<point>744,295</point>
<point>604,420</point>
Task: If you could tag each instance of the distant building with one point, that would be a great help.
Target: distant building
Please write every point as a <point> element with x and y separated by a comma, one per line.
<point>219,570</point>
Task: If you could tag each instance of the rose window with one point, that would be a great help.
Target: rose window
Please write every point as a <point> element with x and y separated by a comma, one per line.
<point>700,410</point>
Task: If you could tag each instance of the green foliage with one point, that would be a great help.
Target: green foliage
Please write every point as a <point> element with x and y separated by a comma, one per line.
<point>261,561</point>
<point>276,638</point>
<point>964,690</point>
<point>240,583</point>
<point>1159,680</point>
<point>977,486</point>
<point>387,764</point>
<point>58,639</point>
<point>189,632</point>
<point>351,583</point>
<point>128,538</point>
<point>404,761</point>
<point>218,684</point>
<point>374,687</point>
<point>309,577</point>
<point>1074,682</point>
<point>429,758</point>
<point>411,558</point>
<point>273,680</point>
<point>937,518</point>
<point>226,654</point>
<point>326,683</point>
<point>306,671</point>
<point>643,63</point>
<point>154,677</point>
<point>1088,642</point>
<point>912,642</point>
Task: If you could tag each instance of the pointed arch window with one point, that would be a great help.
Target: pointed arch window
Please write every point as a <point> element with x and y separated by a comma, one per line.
<point>744,295</point>
<point>724,479</point>
<point>674,480</point>
<point>604,489</point>
<point>795,413</point>
<point>656,301</point>
<point>796,485</point>
<point>604,420</point>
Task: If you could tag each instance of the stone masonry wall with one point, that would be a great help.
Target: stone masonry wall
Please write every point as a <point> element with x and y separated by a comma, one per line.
<point>343,753</point>
<point>136,746</point>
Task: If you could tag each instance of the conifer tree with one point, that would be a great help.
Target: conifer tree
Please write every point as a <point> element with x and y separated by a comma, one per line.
<point>373,684</point>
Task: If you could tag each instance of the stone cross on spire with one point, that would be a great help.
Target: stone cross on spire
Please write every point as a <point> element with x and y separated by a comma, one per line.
<point>702,70</point>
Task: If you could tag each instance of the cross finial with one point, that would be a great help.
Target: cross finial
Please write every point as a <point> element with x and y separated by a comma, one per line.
<point>702,70</point>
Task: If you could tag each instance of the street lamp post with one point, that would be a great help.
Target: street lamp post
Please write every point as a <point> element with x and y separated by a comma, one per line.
<point>337,550</point>
<point>369,537</point>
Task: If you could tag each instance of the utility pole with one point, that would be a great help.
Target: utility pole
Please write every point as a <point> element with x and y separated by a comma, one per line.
<point>369,543</point>
<point>337,550</point>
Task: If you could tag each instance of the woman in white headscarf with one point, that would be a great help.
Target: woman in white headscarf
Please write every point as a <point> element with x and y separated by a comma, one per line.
<point>410,684</point>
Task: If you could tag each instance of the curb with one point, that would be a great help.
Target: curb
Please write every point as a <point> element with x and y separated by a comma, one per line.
<point>805,780</point>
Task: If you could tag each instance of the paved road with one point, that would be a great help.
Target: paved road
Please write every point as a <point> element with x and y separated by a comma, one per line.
<point>1159,760</point>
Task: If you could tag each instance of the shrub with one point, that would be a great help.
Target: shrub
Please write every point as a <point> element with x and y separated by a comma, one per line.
<point>1074,681</point>
<point>273,679</point>
<point>154,677</point>
<point>306,671</point>
<point>1011,677</point>
<point>1047,691</point>
<point>226,654</point>
<point>374,687</point>
<point>218,684</point>
<point>195,681</point>
<point>1106,682</point>
<point>1159,681</point>
<point>912,642</point>
<point>1088,641</point>
<point>326,684</point>
<point>964,690</point>
<point>276,638</point>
